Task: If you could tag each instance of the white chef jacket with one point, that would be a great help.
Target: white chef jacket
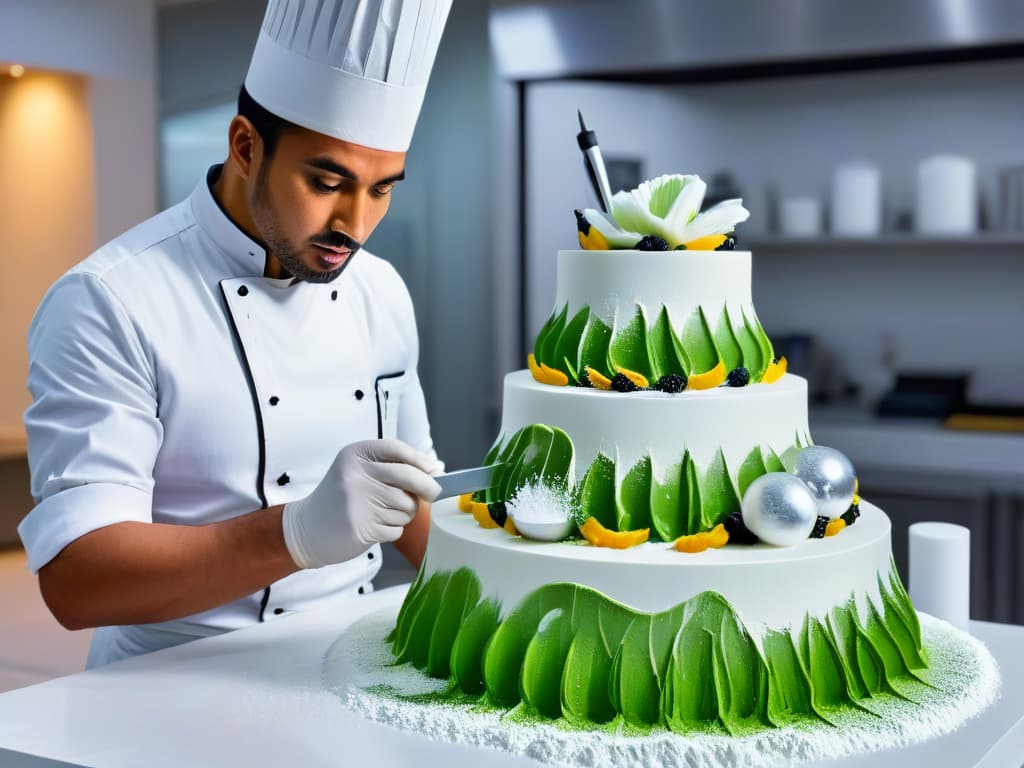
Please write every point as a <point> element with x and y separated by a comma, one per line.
<point>173,383</point>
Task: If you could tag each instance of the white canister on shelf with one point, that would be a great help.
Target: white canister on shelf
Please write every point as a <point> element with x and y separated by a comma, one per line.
<point>857,200</point>
<point>800,217</point>
<point>946,199</point>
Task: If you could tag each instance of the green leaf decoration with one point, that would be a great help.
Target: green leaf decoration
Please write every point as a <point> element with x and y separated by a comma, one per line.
<point>584,694</point>
<point>773,463</point>
<point>694,512</point>
<point>560,461</point>
<point>767,351</point>
<point>567,347</point>
<point>530,462</point>
<point>597,498</point>
<point>669,501</point>
<point>728,346</point>
<point>698,343</point>
<point>664,195</point>
<point>842,625</point>
<point>461,594</point>
<point>594,346</point>
<point>489,458</point>
<point>546,341</point>
<point>718,494</point>
<point>574,376</point>
<point>828,678</point>
<point>509,456</point>
<point>634,498</point>
<point>665,352</point>
<point>753,467</point>
<point>902,602</point>
<point>568,651</point>
<point>628,348</point>
<point>635,680</point>
<point>413,641</point>
<point>543,664</point>
<point>901,631</point>
<point>468,649</point>
<point>790,695</point>
<point>753,354</point>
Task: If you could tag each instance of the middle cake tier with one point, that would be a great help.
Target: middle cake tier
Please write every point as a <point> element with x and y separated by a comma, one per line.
<point>680,461</point>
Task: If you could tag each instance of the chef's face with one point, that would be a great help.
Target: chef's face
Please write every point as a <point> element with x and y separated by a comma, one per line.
<point>316,200</point>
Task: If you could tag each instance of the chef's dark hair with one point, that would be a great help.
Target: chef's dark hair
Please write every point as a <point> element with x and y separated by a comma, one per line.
<point>268,125</point>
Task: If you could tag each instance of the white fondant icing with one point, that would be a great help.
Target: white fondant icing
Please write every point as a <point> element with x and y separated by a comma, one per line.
<point>626,426</point>
<point>770,587</point>
<point>612,283</point>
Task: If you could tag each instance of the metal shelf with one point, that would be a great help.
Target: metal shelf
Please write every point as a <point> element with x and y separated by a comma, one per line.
<point>988,240</point>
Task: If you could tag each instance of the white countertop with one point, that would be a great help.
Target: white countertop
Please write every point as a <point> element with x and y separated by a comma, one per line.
<point>254,698</point>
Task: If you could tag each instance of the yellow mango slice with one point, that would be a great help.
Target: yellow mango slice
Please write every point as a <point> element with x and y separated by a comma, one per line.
<point>482,515</point>
<point>510,527</point>
<point>835,526</point>
<point>707,243</point>
<point>600,536</point>
<point>637,378</point>
<point>534,368</point>
<point>775,371</point>
<point>545,374</point>
<point>598,379</point>
<point>552,376</point>
<point>593,240</point>
<point>697,542</point>
<point>466,502</point>
<point>709,379</point>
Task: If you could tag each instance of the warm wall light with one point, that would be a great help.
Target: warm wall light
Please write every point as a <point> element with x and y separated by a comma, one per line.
<point>17,70</point>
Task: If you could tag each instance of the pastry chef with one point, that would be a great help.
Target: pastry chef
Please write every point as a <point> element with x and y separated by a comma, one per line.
<point>226,417</point>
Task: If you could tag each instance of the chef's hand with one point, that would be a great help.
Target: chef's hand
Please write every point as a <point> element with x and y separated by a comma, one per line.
<point>369,494</point>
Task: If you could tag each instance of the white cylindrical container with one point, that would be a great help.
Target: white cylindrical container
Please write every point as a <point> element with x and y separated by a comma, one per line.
<point>946,196</point>
<point>800,217</point>
<point>857,200</point>
<point>940,571</point>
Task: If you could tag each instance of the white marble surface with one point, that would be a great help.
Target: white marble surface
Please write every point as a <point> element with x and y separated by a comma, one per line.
<point>254,698</point>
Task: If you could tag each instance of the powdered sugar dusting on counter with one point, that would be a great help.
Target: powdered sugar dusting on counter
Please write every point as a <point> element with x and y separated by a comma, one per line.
<point>357,668</point>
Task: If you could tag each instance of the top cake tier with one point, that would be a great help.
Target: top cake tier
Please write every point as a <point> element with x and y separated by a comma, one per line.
<point>651,314</point>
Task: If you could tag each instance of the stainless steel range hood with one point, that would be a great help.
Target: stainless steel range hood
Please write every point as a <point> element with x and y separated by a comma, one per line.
<point>662,40</point>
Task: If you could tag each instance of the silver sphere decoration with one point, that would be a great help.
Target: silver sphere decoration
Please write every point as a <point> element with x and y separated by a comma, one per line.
<point>779,509</point>
<point>830,477</point>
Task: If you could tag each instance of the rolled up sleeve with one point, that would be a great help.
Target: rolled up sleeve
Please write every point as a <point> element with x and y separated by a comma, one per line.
<point>93,427</point>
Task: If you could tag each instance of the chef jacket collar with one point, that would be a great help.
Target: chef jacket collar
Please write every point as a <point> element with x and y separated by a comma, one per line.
<point>247,257</point>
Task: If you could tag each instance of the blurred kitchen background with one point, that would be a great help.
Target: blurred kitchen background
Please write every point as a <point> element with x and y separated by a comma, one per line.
<point>876,144</point>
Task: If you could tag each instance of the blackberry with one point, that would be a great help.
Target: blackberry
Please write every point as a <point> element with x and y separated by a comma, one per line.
<point>738,531</point>
<point>738,377</point>
<point>850,516</point>
<point>652,243</point>
<point>671,382</point>
<point>585,380</point>
<point>819,527</point>
<point>622,383</point>
<point>498,513</point>
<point>729,244</point>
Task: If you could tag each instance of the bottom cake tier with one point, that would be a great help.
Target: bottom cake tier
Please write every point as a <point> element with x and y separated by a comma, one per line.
<point>740,638</point>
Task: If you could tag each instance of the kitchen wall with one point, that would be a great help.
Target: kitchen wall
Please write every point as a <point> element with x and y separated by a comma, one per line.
<point>77,160</point>
<point>901,307</point>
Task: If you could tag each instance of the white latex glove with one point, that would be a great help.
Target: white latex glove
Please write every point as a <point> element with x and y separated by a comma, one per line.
<point>370,493</point>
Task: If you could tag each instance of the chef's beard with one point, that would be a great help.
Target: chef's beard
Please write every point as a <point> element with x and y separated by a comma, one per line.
<point>281,247</point>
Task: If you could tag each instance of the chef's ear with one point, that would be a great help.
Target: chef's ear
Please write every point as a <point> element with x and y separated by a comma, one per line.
<point>244,142</point>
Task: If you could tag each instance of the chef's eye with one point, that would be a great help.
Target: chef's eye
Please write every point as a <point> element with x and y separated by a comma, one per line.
<point>325,189</point>
<point>384,190</point>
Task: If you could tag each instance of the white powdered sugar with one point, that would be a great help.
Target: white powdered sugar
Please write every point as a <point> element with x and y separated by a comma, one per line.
<point>537,503</point>
<point>358,669</point>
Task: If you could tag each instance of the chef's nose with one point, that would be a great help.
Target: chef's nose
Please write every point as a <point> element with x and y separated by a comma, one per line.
<point>350,216</point>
